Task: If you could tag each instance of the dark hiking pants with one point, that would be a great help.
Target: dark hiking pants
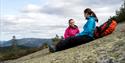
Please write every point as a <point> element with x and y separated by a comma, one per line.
<point>72,42</point>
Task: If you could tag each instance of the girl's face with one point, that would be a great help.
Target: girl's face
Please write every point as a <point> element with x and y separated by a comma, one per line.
<point>71,23</point>
<point>86,15</point>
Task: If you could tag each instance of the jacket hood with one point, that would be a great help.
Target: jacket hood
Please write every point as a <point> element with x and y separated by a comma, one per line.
<point>89,17</point>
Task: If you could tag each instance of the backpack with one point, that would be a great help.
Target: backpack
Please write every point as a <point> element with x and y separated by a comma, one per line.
<point>105,29</point>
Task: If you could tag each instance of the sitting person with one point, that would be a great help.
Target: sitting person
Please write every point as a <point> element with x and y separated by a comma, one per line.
<point>72,29</point>
<point>85,36</point>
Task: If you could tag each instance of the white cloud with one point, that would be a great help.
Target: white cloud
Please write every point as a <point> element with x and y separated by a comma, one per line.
<point>31,8</point>
<point>31,25</point>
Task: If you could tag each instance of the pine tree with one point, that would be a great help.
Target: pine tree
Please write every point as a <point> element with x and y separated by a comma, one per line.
<point>120,15</point>
<point>14,42</point>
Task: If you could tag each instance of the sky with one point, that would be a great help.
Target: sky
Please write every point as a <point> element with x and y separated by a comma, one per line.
<point>46,18</point>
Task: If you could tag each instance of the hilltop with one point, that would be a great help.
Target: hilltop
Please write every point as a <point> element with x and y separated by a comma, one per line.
<point>109,49</point>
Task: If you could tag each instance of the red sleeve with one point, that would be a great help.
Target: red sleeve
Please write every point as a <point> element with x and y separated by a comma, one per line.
<point>66,34</point>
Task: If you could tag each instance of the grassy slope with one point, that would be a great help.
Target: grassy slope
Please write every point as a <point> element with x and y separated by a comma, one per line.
<point>107,48</point>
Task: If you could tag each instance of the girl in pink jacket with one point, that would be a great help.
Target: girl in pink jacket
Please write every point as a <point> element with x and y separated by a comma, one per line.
<point>72,29</point>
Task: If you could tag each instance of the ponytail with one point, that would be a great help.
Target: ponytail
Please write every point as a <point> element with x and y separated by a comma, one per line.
<point>93,14</point>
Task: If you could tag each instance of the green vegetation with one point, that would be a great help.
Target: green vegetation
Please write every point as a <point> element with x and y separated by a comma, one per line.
<point>120,14</point>
<point>9,53</point>
<point>15,51</point>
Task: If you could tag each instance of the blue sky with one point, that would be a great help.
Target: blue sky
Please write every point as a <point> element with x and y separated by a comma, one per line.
<point>46,18</point>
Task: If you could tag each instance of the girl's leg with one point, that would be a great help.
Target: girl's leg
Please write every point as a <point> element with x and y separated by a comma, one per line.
<point>63,44</point>
<point>72,42</point>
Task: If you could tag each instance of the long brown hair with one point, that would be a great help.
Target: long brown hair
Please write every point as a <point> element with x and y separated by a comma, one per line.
<point>90,12</point>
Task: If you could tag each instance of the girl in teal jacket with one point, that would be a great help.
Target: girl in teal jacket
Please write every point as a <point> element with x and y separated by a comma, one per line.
<point>89,27</point>
<point>85,36</point>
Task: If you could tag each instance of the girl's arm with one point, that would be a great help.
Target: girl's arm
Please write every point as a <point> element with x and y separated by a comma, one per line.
<point>66,34</point>
<point>88,28</point>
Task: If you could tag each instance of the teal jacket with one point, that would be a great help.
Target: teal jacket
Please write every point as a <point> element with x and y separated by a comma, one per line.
<point>89,27</point>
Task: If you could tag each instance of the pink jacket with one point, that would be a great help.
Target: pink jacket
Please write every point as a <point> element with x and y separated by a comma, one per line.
<point>71,31</point>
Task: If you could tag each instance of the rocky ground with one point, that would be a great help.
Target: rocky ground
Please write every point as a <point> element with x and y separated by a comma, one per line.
<point>109,49</point>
